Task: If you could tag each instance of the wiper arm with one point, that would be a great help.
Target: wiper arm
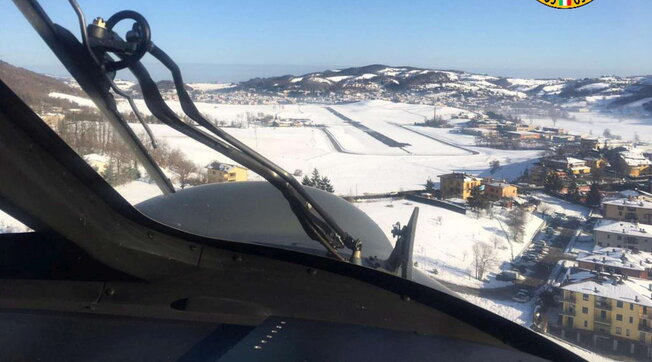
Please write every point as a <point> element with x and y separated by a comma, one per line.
<point>317,223</point>
<point>114,87</point>
<point>82,66</point>
<point>189,108</point>
<point>156,104</point>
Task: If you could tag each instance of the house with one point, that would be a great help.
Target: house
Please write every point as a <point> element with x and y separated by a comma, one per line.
<point>628,209</point>
<point>589,143</point>
<point>596,163</point>
<point>458,185</point>
<point>515,128</point>
<point>523,135</point>
<point>223,172</point>
<point>479,131</point>
<point>574,166</point>
<point>607,310</point>
<point>622,234</point>
<point>562,138</point>
<point>537,174</point>
<point>621,261</point>
<point>634,164</point>
<point>555,130</point>
<point>499,190</point>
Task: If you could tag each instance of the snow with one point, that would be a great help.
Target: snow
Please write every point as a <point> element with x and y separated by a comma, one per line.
<point>556,88</point>
<point>520,313</point>
<point>444,239</point>
<point>319,80</point>
<point>639,103</point>
<point>78,100</point>
<point>211,86</point>
<point>385,169</point>
<point>296,80</point>
<point>138,191</point>
<point>558,205</point>
<point>446,135</point>
<point>10,225</point>
<point>366,76</point>
<point>338,78</point>
<point>585,123</point>
<point>594,87</point>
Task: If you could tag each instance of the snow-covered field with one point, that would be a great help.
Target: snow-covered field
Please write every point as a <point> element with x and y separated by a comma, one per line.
<point>444,239</point>
<point>562,206</point>
<point>587,123</point>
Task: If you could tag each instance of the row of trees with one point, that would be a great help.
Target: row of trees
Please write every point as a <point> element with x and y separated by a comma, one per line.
<point>88,133</point>
<point>554,183</point>
<point>187,172</point>
<point>318,181</point>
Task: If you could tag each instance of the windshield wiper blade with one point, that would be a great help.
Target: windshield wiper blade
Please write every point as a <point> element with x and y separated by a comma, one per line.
<point>317,223</point>
<point>85,70</point>
<point>342,238</point>
<point>316,229</point>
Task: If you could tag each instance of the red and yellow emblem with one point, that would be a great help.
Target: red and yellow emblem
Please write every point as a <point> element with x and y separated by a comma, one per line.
<point>565,4</point>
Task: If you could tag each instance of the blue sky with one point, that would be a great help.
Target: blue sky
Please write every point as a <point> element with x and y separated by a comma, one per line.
<point>234,40</point>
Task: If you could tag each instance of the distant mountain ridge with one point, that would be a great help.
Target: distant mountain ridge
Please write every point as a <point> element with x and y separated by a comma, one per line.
<point>608,92</point>
<point>32,86</point>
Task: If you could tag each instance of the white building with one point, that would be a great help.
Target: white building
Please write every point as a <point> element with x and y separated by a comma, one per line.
<point>622,234</point>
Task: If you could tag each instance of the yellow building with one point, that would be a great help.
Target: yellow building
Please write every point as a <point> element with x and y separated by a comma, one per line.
<point>634,164</point>
<point>635,210</point>
<point>569,164</point>
<point>596,163</point>
<point>458,185</point>
<point>223,172</point>
<point>609,309</point>
<point>499,190</point>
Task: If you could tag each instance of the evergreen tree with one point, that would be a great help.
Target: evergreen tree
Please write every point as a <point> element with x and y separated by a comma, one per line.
<point>594,197</point>
<point>430,185</point>
<point>307,181</point>
<point>318,181</point>
<point>478,200</point>
<point>315,178</point>
<point>573,192</point>
<point>326,185</point>
<point>553,182</point>
<point>109,174</point>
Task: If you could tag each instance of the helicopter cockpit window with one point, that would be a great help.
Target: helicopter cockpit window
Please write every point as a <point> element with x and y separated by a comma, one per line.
<point>511,183</point>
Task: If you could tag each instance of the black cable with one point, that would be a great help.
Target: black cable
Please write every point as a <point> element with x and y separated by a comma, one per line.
<point>316,222</point>
<point>314,227</point>
<point>193,113</point>
<point>114,87</point>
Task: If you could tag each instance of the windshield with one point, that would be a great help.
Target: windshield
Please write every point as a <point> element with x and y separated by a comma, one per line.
<point>521,132</point>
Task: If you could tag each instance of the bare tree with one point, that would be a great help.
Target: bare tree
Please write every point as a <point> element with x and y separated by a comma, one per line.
<point>183,167</point>
<point>484,257</point>
<point>516,221</point>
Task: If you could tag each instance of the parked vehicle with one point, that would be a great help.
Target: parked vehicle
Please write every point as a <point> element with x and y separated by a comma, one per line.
<point>508,275</point>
